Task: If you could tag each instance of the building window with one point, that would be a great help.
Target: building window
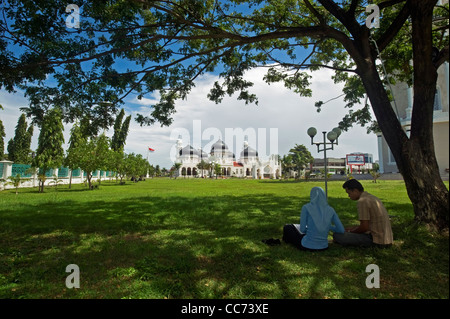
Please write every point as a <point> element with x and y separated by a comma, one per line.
<point>437,100</point>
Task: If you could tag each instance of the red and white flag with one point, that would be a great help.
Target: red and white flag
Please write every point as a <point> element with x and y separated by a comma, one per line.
<point>151,149</point>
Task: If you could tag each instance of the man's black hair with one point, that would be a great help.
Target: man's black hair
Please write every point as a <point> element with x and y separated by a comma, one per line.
<point>352,184</point>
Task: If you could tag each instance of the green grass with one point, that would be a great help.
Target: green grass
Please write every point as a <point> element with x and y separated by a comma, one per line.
<point>201,238</point>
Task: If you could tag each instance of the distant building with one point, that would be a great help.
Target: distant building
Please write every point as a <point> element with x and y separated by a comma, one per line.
<point>404,100</point>
<point>404,95</point>
<point>357,162</point>
<point>249,163</point>
<point>352,163</point>
<point>334,165</point>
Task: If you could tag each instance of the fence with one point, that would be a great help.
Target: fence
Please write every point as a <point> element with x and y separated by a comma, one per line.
<point>30,176</point>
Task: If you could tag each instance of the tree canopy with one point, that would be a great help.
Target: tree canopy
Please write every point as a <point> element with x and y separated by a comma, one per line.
<point>142,47</point>
<point>301,157</point>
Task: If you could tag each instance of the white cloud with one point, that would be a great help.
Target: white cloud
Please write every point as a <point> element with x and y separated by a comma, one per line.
<point>10,115</point>
<point>279,108</point>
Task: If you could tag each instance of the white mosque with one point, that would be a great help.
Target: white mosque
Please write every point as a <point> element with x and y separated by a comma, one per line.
<point>249,164</point>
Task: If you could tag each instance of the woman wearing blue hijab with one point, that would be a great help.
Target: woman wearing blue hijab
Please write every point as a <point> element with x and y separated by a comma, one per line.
<point>317,218</point>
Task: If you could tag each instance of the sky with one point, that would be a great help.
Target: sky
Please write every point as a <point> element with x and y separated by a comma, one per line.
<point>274,126</point>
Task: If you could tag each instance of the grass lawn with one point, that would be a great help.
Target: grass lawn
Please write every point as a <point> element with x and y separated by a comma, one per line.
<point>166,238</point>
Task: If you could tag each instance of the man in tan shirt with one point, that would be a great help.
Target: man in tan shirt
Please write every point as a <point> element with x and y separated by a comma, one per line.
<point>374,225</point>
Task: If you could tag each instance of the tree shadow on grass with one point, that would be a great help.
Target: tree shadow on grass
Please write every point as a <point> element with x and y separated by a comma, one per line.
<point>184,247</point>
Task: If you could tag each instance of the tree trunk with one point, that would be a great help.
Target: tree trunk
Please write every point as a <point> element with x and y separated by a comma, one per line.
<point>426,190</point>
<point>414,155</point>
<point>419,165</point>
<point>89,176</point>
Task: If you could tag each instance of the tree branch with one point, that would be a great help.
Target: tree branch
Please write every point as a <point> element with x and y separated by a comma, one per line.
<point>442,57</point>
<point>347,18</point>
<point>314,12</point>
<point>351,11</point>
<point>389,3</point>
<point>395,27</point>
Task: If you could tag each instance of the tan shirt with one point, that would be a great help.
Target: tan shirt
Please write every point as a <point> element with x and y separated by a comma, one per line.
<point>372,209</point>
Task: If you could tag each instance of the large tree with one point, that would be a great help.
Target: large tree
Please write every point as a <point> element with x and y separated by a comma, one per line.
<point>50,152</point>
<point>119,137</point>
<point>2,141</point>
<point>73,156</point>
<point>115,145</point>
<point>301,157</point>
<point>144,46</point>
<point>93,154</point>
<point>19,147</point>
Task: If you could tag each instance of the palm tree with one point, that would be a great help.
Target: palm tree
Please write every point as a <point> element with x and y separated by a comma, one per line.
<point>16,181</point>
<point>217,169</point>
<point>202,165</point>
<point>56,181</point>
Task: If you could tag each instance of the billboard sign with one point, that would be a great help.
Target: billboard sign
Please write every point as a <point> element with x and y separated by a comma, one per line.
<point>355,159</point>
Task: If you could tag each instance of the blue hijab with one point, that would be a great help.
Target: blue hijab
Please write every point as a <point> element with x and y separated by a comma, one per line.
<point>319,210</point>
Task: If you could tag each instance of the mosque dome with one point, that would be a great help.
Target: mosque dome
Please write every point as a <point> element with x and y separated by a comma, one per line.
<point>220,149</point>
<point>189,150</point>
<point>249,152</point>
<point>219,146</point>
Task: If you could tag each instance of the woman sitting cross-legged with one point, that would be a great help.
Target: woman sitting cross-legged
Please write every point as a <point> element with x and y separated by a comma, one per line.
<point>317,218</point>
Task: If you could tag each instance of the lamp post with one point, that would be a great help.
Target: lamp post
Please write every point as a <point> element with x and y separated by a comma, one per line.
<point>332,136</point>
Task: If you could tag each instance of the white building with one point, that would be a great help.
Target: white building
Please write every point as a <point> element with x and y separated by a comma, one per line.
<point>334,165</point>
<point>404,98</point>
<point>249,165</point>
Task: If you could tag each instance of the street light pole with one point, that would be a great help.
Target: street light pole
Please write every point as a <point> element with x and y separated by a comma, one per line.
<point>325,161</point>
<point>332,136</point>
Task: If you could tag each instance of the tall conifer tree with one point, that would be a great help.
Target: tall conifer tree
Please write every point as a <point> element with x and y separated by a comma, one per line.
<point>2,141</point>
<point>50,153</point>
<point>72,160</point>
<point>19,147</point>
<point>120,131</point>
<point>117,126</point>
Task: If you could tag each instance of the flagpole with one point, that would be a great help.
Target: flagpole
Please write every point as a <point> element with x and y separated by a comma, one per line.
<point>148,151</point>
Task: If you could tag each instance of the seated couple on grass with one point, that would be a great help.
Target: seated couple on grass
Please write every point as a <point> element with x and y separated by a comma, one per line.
<point>317,218</point>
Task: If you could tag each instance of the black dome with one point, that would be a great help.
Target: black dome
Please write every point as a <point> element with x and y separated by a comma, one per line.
<point>189,150</point>
<point>220,149</point>
<point>249,152</point>
<point>219,146</point>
